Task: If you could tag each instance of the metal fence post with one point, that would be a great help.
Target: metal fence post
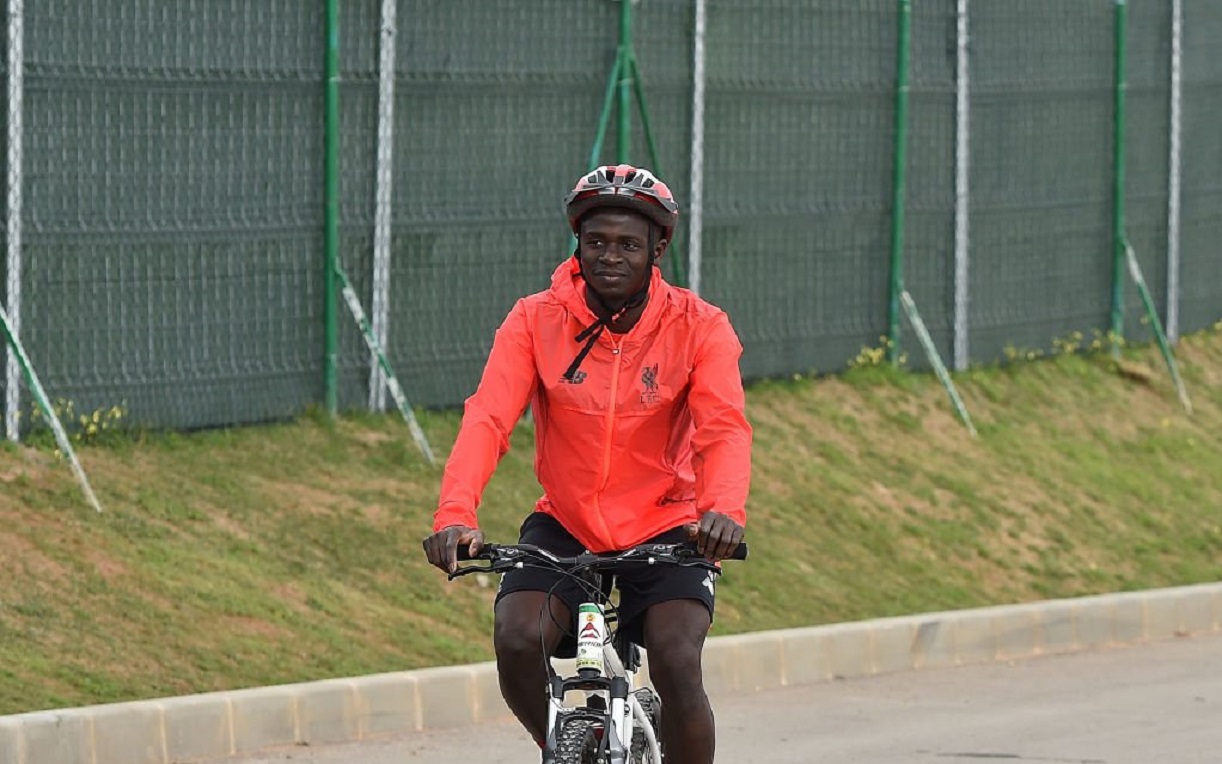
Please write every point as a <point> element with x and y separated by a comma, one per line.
<point>695,229</point>
<point>331,202</point>
<point>900,178</point>
<point>1174,174</point>
<point>384,176</point>
<point>16,102</point>
<point>963,156</point>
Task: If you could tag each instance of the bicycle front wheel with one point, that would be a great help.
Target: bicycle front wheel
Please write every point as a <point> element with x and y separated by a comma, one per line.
<point>651,704</point>
<point>577,742</point>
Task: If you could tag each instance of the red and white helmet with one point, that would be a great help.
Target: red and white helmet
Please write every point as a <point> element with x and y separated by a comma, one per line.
<point>624,186</point>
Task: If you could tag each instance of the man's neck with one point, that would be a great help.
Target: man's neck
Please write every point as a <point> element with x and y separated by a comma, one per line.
<point>626,321</point>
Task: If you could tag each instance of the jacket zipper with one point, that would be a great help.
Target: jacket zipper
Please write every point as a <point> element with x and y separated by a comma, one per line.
<point>610,421</point>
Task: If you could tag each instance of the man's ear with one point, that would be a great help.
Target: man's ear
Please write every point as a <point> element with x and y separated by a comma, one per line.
<point>659,250</point>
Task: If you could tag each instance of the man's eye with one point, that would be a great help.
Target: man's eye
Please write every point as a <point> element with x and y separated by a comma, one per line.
<point>631,246</point>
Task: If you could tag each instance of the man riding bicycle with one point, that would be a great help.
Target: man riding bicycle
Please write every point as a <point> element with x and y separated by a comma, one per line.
<point>640,436</point>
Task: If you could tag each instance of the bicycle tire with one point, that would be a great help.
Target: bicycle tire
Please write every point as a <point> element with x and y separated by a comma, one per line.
<point>651,704</point>
<point>577,742</point>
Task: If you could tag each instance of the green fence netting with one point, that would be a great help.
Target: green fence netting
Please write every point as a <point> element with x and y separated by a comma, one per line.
<point>173,180</point>
<point>1201,279</point>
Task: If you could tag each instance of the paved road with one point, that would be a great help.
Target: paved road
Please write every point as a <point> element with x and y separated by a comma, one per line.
<point>1158,704</point>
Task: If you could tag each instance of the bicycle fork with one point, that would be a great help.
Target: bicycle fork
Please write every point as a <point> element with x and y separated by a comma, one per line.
<point>623,716</point>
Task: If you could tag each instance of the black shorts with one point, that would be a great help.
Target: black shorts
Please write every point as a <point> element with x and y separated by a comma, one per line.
<point>641,587</point>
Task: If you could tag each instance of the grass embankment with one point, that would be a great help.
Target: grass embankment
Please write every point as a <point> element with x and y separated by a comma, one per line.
<point>287,553</point>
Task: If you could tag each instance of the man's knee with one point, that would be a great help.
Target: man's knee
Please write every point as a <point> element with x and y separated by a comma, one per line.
<point>674,637</point>
<point>523,629</point>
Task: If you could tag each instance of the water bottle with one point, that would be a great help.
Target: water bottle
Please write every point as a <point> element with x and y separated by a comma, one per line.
<point>590,635</point>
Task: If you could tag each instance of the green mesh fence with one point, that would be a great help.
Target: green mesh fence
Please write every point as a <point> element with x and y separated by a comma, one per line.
<point>1041,172</point>
<point>173,206</point>
<point>173,174</point>
<point>1201,278</point>
<point>496,111</point>
<point>798,177</point>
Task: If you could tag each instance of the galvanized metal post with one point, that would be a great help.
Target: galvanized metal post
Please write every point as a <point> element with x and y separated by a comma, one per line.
<point>380,308</point>
<point>695,229</point>
<point>1174,175</point>
<point>963,156</point>
<point>16,102</point>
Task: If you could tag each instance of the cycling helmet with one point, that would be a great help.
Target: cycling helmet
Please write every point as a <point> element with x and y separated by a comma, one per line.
<point>625,186</point>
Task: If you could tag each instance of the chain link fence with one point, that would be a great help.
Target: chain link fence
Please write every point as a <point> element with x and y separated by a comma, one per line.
<point>165,181</point>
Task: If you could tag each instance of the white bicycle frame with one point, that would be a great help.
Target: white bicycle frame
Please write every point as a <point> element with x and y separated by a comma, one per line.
<point>624,713</point>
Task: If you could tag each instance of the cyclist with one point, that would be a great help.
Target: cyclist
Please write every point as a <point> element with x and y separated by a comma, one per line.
<point>640,436</point>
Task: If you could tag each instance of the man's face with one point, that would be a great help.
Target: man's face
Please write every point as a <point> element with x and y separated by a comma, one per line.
<point>615,255</point>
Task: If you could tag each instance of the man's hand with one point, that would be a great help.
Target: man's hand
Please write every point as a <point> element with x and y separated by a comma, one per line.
<point>442,547</point>
<point>716,536</point>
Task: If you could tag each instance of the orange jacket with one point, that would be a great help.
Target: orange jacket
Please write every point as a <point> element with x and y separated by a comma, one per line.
<point>650,435</point>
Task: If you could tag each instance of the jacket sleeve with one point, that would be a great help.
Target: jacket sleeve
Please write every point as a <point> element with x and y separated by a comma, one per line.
<point>488,419</point>
<point>721,443</point>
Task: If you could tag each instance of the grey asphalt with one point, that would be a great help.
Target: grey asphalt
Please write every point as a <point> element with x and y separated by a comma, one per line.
<point>1151,704</point>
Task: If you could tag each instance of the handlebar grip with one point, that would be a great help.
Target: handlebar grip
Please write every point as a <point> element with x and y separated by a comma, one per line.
<point>464,553</point>
<point>740,553</point>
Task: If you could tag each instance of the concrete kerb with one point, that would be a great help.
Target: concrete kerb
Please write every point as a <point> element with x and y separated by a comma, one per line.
<point>213,726</point>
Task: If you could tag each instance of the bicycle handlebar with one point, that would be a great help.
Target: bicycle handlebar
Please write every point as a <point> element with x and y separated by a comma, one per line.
<point>505,556</point>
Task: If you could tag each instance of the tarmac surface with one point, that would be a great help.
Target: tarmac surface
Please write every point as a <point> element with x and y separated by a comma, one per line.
<point>1150,704</point>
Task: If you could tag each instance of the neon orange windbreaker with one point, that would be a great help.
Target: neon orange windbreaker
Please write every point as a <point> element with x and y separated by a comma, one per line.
<point>650,435</point>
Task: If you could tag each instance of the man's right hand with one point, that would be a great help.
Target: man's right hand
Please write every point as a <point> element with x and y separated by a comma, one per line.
<point>442,547</point>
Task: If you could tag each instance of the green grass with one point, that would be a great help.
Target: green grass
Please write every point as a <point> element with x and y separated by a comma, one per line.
<point>291,552</point>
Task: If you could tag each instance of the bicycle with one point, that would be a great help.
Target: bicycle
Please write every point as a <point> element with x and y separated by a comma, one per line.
<point>606,662</point>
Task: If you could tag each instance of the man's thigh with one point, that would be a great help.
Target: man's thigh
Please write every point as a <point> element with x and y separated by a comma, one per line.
<point>686,593</point>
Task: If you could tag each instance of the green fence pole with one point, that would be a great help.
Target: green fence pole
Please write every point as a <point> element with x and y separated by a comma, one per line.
<point>1118,179</point>
<point>331,201</point>
<point>604,119</point>
<point>900,176</point>
<point>625,82</point>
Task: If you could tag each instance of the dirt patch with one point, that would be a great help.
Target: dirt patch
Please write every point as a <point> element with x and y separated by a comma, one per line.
<point>107,567</point>
<point>20,559</point>
<point>254,627</point>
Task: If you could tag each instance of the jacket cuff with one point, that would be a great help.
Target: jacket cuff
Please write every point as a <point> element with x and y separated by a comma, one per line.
<point>453,514</point>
